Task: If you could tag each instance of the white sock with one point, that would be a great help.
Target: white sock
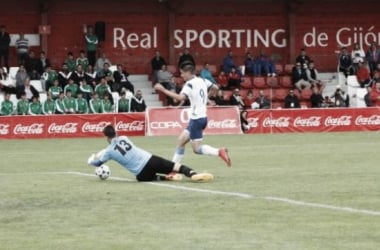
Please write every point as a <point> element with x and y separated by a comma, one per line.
<point>178,155</point>
<point>208,150</point>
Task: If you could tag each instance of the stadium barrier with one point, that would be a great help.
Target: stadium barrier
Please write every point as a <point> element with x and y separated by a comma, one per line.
<point>171,121</point>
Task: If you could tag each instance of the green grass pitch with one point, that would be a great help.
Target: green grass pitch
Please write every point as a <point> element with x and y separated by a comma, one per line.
<point>288,191</point>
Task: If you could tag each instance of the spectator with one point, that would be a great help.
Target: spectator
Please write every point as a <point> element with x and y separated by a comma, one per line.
<point>375,95</point>
<point>91,45</point>
<point>222,80</point>
<point>249,63</point>
<point>5,40</point>
<point>21,76</point>
<point>105,72</point>
<point>48,107</point>
<point>206,73</point>
<point>7,107</point>
<point>249,99</point>
<point>22,47</point>
<point>262,101</point>
<point>64,75</point>
<point>316,98</point>
<point>107,104</point>
<point>35,107</point>
<point>292,101</point>
<point>31,66</point>
<point>86,90</point>
<point>220,99</point>
<point>82,60</point>
<point>69,101</point>
<point>3,74</point>
<point>90,76</point>
<point>22,105</point>
<point>236,99</point>
<point>357,56</point>
<point>303,58</point>
<point>243,121</point>
<point>95,104</point>
<point>28,89</point>
<point>43,62</point>
<point>157,63</point>
<point>103,88</point>
<point>101,61</point>
<point>313,77</point>
<point>299,77</point>
<point>367,97</point>
<point>345,62</point>
<point>121,80</point>
<point>79,74</point>
<point>124,103</point>
<point>49,77</point>
<point>264,64</point>
<point>138,103</point>
<point>234,79</point>
<point>373,57</point>
<point>228,63</point>
<point>340,97</point>
<point>328,103</point>
<point>72,87</point>
<point>60,107</point>
<point>185,57</point>
<point>363,75</point>
<point>55,90</point>
<point>70,62</point>
<point>164,77</point>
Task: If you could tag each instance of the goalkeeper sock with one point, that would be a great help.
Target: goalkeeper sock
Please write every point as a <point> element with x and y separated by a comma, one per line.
<point>188,172</point>
<point>178,155</point>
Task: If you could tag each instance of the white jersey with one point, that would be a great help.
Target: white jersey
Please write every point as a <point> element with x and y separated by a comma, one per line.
<point>196,91</point>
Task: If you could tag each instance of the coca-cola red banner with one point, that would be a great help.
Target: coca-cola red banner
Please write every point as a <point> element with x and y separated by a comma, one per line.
<point>313,120</point>
<point>172,121</point>
<point>65,126</point>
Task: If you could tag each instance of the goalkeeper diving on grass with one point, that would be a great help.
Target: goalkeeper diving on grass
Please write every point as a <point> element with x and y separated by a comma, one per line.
<point>144,165</point>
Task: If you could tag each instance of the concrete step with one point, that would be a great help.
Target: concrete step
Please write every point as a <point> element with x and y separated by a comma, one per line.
<point>153,97</point>
<point>136,78</point>
<point>141,84</point>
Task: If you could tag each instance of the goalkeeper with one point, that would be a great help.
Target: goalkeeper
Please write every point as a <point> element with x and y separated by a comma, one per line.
<point>144,165</point>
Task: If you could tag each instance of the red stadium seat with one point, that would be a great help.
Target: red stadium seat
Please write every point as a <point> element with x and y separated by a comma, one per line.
<point>288,69</point>
<point>272,82</point>
<point>279,69</point>
<point>243,93</point>
<point>305,105</point>
<point>227,94</point>
<point>179,82</point>
<point>172,69</point>
<point>259,82</point>
<point>198,69</point>
<point>286,82</point>
<point>246,82</point>
<point>278,105</point>
<point>306,94</point>
<point>213,69</point>
<point>280,94</point>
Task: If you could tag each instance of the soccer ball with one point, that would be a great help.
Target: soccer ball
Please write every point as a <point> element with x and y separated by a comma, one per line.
<point>103,172</point>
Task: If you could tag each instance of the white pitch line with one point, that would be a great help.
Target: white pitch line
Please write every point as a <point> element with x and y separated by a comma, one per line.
<point>247,196</point>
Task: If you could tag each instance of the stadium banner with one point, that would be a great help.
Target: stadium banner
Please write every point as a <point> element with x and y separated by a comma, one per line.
<point>66,126</point>
<point>313,120</point>
<point>172,121</point>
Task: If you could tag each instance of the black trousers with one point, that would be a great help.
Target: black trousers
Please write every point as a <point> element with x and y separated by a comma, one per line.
<point>156,165</point>
<point>4,56</point>
<point>91,56</point>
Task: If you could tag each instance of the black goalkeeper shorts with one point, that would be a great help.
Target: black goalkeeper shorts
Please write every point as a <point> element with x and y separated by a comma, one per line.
<point>155,165</point>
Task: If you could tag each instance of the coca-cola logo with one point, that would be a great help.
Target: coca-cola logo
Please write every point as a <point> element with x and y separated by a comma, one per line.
<point>344,120</point>
<point>312,121</point>
<point>67,128</point>
<point>33,129</point>
<point>281,122</point>
<point>227,123</point>
<point>372,120</point>
<point>4,129</point>
<point>94,127</point>
<point>130,126</point>
<point>253,122</point>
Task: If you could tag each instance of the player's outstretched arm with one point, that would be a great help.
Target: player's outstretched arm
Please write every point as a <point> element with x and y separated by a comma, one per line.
<point>93,161</point>
<point>179,97</point>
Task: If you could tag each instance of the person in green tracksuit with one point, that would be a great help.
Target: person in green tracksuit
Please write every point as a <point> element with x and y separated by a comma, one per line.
<point>81,105</point>
<point>55,90</point>
<point>48,107</point>
<point>86,89</point>
<point>70,62</point>
<point>35,107</point>
<point>72,87</point>
<point>60,104</point>
<point>69,102</point>
<point>124,103</point>
<point>107,105</point>
<point>103,88</point>
<point>23,105</point>
<point>7,107</point>
<point>49,76</point>
<point>82,60</point>
<point>91,45</point>
<point>96,106</point>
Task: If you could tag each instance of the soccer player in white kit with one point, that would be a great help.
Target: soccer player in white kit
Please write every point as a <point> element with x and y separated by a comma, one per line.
<point>196,90</point>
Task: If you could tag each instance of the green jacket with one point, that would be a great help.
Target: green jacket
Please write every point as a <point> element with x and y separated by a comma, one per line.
<point>22,107</point>
<point>7,108</point>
